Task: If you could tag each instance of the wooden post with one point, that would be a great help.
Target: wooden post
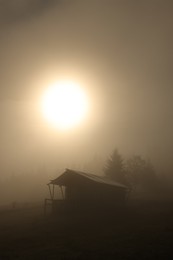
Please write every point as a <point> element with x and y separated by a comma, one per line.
<point>53,191</point>
<point>50,191</point>
<point>62,193</point>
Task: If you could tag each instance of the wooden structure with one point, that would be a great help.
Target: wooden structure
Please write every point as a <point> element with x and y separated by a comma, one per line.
<point>82,191</point>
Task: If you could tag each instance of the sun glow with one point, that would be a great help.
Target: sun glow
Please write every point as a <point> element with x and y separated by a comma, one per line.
<point>65,104</point>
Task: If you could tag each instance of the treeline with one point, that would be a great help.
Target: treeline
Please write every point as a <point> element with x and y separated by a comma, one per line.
<point>135,172</point>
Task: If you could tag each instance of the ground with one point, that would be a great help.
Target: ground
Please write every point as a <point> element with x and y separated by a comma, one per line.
<point>143,230</point>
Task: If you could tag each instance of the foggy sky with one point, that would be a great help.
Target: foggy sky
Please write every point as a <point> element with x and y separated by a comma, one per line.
<point>121,51</point>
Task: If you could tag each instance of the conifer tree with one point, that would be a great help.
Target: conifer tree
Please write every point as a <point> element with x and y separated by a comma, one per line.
<point>114,169</point>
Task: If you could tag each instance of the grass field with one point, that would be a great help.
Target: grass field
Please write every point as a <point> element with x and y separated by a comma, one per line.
<point>143,230</point>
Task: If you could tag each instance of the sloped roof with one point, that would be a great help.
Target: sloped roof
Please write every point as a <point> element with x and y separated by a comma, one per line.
<point>61,180</point>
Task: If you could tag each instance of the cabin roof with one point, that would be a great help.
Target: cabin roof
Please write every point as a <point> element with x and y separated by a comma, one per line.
<point>61,180</point>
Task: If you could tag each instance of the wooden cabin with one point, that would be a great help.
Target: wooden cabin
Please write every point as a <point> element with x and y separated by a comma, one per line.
<point>82,191</point>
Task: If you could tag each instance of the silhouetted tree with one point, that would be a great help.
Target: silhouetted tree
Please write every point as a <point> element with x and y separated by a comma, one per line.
<point>140,173</point>
<point>114,169</point>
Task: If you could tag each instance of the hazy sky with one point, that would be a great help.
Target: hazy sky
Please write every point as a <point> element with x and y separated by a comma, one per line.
<point>121,53</point>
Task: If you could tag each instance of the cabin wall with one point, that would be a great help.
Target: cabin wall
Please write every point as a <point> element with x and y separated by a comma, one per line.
<point>85,195</point>
<point>95,193</point>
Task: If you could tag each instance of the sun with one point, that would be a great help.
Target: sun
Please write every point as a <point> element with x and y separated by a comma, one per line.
<point>65,104</point>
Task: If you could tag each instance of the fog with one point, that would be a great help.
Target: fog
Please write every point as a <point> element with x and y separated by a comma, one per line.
<point>121,54</point>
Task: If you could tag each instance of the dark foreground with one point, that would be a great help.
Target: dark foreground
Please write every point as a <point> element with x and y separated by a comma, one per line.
<point>144,230</point>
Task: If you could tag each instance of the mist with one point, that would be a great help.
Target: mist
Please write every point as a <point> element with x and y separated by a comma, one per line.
<point>119,51</point>
<point>86,169</point>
